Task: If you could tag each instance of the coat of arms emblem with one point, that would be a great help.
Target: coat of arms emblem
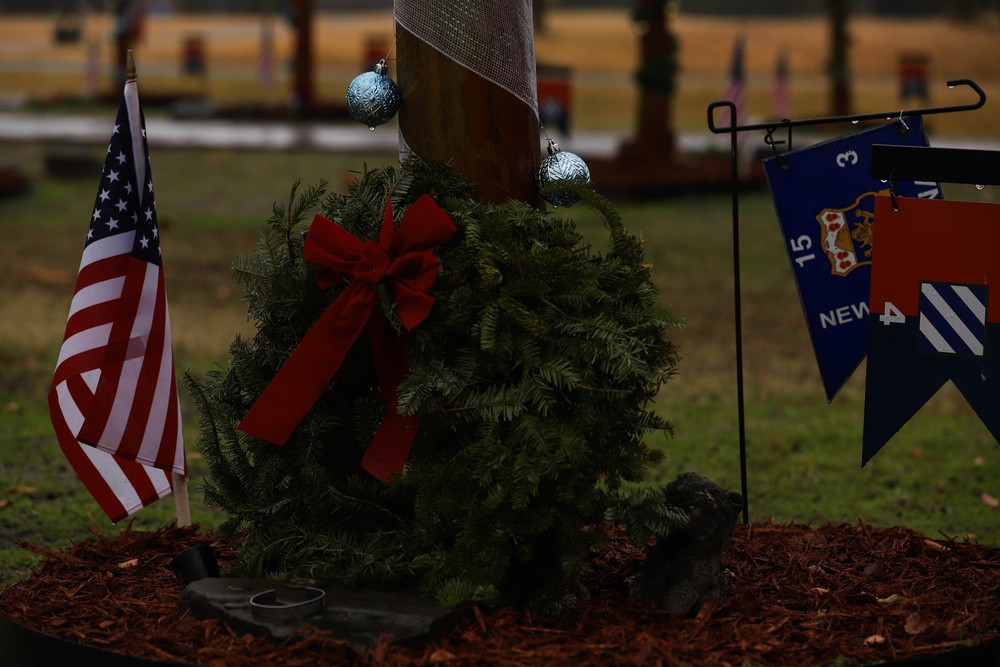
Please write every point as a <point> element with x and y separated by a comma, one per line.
<point>846,233</point>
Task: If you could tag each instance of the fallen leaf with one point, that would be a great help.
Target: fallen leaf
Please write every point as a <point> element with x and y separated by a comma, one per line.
<point>989,500</point>
<point>441,655</point>
<point>5,502</point>
<point>23,489</point>
<point>936,546</point>
<point>892,599</point>
<point>916,623</point>
<point>978,461</point>
<point>821,591</point>
<point>874,639</point>
<point>917,453</point>
<point>12,407</point>
<point>131,562</point>
<point>48,276</point>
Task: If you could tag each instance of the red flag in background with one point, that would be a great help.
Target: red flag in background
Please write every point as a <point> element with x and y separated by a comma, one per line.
<point>113,399</point>
<point>735,90</point>
<point>781,98</point>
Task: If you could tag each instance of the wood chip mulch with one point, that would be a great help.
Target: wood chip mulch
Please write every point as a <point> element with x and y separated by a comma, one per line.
<point>799,596</point>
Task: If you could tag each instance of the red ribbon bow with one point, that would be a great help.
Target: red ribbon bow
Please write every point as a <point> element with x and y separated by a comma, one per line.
<point>403,258</point>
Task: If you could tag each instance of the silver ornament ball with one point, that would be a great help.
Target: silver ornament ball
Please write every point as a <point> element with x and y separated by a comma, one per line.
<point>373,98</point>
<point>561,166</point>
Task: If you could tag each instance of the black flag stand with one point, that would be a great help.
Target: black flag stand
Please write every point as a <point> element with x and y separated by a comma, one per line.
<point>888,162</point>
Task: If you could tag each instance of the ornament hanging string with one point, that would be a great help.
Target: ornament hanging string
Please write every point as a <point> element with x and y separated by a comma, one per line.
<point>402,259</point>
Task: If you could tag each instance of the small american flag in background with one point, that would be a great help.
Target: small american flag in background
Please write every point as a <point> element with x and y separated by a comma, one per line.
<point>265,60</point>
<point>735,89</point>
<point>113,399</point>
<point>781,102</point>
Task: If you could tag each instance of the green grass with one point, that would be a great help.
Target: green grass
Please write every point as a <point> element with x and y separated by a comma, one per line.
<point>803,455</point>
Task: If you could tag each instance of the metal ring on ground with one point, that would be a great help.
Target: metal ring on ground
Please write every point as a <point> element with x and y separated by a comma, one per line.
<point>265,605</point>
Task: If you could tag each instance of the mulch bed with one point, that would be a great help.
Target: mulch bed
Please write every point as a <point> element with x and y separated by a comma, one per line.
<point>799,596</point>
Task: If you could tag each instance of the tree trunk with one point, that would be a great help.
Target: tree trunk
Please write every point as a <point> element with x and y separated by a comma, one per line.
<point>840,84</point>
<point>654,135</point>
<point>452,114</point>
<point>303,82</point>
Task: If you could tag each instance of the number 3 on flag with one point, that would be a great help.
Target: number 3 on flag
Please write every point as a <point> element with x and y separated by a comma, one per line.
<point>891,315</point>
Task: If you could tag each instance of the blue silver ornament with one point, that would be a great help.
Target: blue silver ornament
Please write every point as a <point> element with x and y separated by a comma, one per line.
<point>373,98</point>
<point>561,166</point>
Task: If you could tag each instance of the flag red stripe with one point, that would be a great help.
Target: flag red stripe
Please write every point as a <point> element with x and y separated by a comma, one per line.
<point>81,362</point>
<point>109,480</point>
<point>116,354</point>
<point>144,414</point>
<point>96,485</point>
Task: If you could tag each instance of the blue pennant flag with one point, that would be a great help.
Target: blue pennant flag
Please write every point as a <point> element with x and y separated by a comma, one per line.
<point>935,313</point>
<point>824,197</point>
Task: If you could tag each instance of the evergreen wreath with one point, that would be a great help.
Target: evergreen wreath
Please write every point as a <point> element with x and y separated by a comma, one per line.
<point>532,380</point>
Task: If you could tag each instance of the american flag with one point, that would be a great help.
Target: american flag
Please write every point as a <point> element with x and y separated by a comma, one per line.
<point>781,102</point>
<point>735,89</point>
<point>113,399</point>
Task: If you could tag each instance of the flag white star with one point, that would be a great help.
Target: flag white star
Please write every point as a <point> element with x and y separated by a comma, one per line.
<point>149,214</point>
<point>121,157</point>
<point>96,216</point>
<point>115,131</point>
<point>150,186</point>
<point>128,188</point>
<point>144,241</point>
<point>156,232</point>
<point>112,176</point>
<point>104,195</point>
<point>121,205</point>
<point>112,224</point>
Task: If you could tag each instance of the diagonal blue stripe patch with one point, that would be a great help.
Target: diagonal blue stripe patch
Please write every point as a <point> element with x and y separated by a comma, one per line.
<point>953,318</point>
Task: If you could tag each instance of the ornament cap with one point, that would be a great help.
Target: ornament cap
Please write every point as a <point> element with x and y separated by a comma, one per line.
<point>381,67</point>
<point>553,147</point>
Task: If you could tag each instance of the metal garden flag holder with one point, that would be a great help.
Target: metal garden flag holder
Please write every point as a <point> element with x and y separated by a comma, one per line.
<point>889,162</point>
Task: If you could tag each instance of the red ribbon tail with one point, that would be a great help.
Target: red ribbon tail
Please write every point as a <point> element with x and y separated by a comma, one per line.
<point>304,376</point>
<point>390,448</point>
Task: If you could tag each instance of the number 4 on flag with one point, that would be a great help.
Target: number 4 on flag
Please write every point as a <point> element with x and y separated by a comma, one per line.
<point>892,315</point>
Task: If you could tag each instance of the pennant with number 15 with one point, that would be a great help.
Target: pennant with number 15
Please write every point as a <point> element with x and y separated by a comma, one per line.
<point>824,196</point>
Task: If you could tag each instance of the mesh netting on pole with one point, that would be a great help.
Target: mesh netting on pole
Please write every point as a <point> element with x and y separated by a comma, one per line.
<point>492,38</point>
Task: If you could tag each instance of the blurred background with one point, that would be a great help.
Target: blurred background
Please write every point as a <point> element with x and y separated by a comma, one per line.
<point>295,58</point>
<point>243,98</point>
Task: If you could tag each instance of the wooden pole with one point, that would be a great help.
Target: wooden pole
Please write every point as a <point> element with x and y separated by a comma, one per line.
<point>182,504</point>
<point>452,114</point>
